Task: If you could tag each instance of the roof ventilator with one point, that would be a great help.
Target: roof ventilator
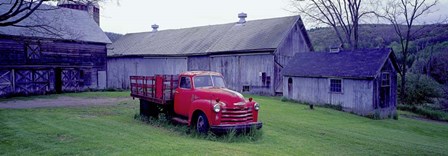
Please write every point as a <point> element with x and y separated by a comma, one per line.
<point>242,17</point>
<point>154,27</point>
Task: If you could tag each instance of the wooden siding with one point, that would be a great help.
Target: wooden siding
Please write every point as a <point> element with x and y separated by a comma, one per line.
<point>31,65</point>
<point>294,43</point>
<point>119,69</point>
<point>238,70</point>
<point>391,109</point>
<point>356,96</point>
<point>245,70</point>
<point>198,63</point>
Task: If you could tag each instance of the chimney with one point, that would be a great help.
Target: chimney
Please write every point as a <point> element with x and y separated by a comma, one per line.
<point>93,12</point>
<point>242,17</point>
<point>90,9</point>
<point>154,27</point>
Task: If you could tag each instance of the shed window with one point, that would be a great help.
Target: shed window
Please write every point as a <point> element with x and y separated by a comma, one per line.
<point>336,85</point>
<point>185,82</point>
<point>385,79</point>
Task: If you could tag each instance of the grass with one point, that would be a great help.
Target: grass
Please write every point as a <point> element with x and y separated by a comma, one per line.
<point>288,129</point>
<point>110,94</point>
<point>426,111</point>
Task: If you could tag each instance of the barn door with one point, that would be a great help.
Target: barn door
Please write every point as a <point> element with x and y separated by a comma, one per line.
<point>290,86</point>
<point>32,81</point>
<point>58,80</point>
<point>5,82</point>
<point>72,79</point>
<point>385,90</point>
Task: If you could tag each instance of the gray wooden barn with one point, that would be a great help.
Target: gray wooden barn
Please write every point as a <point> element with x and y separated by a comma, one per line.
<point>363,81</point>
<point>249,54</point>
<point>56,49</point>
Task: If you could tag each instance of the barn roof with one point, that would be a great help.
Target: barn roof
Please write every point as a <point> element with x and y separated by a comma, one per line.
<point>56,23</point>
<point>258,35</point>
<point>347,64</point>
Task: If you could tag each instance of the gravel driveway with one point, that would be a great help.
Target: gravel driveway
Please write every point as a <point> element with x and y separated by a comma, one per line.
<point>61,101</point>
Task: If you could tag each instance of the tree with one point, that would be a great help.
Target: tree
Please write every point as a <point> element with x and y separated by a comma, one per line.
<point>18,11</point>
<point>404,12</point>
<point>343,16</point>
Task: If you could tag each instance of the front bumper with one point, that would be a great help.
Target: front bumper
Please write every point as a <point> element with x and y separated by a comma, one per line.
<point>237,127</point>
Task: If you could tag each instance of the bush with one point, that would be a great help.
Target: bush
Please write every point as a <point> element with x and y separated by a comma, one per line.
<point>420,89</point>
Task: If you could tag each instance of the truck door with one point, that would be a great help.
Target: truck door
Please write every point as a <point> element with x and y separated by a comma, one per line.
<point>183,96</point>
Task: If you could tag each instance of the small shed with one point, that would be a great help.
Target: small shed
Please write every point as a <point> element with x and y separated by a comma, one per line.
<point>362,81</point>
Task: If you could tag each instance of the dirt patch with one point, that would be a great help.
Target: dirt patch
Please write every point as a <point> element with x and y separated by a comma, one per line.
<point>62,101</point>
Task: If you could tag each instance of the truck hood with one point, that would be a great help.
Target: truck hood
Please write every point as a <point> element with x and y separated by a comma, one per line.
<point>225,95</point>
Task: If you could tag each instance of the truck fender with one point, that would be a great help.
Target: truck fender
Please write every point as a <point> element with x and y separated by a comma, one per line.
<point>202,105</point>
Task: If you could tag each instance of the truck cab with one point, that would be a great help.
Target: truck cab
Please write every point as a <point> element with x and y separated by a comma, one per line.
<point>201,100</point>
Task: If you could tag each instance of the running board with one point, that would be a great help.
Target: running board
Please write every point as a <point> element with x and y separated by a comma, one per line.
<point>179,120</point>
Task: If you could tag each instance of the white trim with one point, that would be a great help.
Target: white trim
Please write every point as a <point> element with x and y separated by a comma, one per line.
<point>342,85</point>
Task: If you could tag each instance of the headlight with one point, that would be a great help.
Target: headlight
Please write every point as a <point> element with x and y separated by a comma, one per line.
<point>216,108</point>
<point>256,106</point>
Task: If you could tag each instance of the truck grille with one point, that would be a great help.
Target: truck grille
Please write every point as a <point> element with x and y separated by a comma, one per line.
<point>236,115</point>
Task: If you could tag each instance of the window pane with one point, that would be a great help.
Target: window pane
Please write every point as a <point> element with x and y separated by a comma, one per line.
<point>202,81</point>
<point>335,85</point>
<point>385,79</point>
<point>185,82</point>
<point>218,81</point>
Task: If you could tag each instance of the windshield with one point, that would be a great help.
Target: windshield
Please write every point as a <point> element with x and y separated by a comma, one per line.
<point>208,81</point>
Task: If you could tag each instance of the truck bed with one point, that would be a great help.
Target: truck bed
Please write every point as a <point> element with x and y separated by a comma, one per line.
<point>158,89</point>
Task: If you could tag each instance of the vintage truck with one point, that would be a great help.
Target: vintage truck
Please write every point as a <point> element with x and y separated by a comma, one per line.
<point>198,99</point>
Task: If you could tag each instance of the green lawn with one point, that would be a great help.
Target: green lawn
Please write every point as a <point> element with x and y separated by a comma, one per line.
<point>289,129</point>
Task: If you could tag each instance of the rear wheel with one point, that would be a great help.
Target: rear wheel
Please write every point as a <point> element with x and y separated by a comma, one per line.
<point>149,109</point>
<point>202,124</point>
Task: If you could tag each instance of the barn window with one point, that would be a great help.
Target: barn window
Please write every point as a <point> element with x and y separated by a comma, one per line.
<point>265,79</point>
<point>33,51</point>
<point>185,82</point>
<point>246,88</point>
<point>336,85</point>
<point>385,79</point>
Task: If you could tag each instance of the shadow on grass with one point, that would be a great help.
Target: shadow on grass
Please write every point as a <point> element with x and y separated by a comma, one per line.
<point>253,135</point>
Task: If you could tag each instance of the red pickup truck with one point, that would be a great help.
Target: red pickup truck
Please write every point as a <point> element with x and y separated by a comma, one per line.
<point>197,98</point>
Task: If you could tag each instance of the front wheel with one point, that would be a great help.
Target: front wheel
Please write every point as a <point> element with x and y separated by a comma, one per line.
<point>202,124</point>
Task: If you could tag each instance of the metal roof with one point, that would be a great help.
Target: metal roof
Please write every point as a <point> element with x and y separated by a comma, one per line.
<point>349,64</point>
<point>231,37</point>
<point>63,23</point>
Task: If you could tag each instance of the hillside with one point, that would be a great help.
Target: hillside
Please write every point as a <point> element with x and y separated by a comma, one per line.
<point>379,35</point>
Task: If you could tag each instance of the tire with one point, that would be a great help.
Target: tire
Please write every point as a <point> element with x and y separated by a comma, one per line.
<point>202,126</point>
<point>144,108</point>
<point>149,109</point>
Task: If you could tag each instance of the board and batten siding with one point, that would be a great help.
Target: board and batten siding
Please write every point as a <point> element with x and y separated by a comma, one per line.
<point>198,63</point>
<point>245,70</point>
<point>119,69</point>
<point>356,96</point>
<point>293,43</point>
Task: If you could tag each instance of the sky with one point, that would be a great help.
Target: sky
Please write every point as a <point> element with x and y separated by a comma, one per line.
<point>138,15</point>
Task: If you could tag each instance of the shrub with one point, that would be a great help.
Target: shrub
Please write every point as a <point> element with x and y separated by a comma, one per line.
<point>420,89</point>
